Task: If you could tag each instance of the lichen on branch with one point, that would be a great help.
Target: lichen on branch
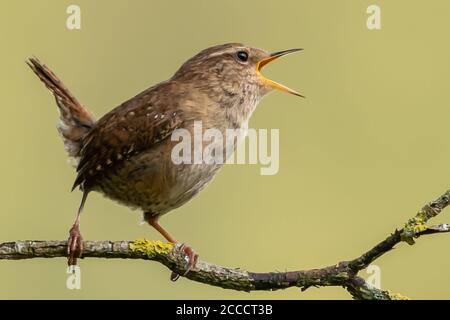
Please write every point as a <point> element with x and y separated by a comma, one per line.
<point>343,274</point>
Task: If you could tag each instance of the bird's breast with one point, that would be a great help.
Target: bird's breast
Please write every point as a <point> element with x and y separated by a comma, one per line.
<point>152,182</point>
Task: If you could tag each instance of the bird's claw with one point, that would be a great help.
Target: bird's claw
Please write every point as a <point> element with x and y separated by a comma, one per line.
<point>190,256</point>
<point>74,245</point>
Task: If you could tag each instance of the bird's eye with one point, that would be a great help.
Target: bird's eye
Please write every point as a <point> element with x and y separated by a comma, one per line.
<point>242,55</point>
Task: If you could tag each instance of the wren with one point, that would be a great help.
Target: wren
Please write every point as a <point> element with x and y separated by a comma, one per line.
<point>126,154</point>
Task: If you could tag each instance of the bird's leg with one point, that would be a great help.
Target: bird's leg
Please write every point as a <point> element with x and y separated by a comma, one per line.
<point>188,251</point>
<point>75,241</point>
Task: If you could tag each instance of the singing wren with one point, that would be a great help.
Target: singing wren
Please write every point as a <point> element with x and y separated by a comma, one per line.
<point>126,154</point>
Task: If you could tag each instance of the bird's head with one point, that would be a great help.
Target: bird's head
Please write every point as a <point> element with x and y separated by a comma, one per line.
<point>232,72</point>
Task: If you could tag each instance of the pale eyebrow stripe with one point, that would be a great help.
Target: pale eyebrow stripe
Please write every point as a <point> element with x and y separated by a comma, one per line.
<point>228,50</point>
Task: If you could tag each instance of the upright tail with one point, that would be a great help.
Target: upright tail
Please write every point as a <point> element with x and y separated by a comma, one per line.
<point>75,120</point>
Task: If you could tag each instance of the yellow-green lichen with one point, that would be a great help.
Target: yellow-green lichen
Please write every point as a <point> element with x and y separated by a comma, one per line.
<point>397,296</point>
<point>413,227</point>
<point>151,247</point>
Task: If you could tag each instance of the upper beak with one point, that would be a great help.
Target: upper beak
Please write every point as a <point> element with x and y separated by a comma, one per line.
<point>271,83</point>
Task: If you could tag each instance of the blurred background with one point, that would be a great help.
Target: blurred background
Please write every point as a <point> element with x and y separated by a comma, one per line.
<point>358,157</point>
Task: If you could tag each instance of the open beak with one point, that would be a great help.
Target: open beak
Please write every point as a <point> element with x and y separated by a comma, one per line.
<point>271,83</point>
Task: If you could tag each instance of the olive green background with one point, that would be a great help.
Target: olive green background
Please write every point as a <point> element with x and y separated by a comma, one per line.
<point>358,156</point>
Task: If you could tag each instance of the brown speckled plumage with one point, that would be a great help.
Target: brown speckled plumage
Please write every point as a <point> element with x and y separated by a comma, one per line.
<point>126,154</point>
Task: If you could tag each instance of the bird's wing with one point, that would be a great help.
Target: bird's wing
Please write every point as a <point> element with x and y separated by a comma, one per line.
<point>136,125</point>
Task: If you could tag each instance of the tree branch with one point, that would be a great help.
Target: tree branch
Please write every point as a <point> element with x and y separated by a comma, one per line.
<point>344,273</point>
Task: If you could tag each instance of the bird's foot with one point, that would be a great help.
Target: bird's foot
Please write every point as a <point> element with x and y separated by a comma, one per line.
<point>74,245</point>
<point>190,256</point>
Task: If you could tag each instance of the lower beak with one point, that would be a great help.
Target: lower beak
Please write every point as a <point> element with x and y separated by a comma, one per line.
<point>272,83</point>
